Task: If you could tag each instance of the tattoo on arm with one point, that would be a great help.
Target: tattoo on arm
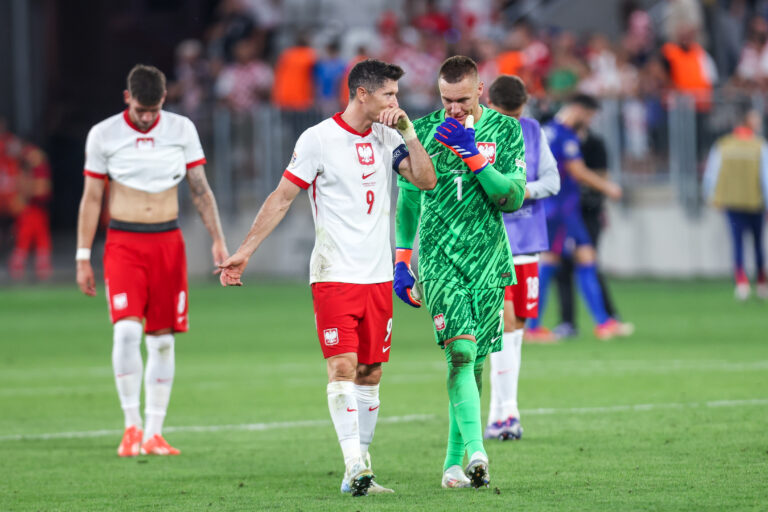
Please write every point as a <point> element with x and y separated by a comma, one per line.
<point>202,197</point>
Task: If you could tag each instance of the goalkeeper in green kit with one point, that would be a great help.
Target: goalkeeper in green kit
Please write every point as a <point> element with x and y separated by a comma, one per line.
<point>464,256</point>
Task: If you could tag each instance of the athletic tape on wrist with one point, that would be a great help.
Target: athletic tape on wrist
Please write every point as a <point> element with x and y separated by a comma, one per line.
<point>83,254</point>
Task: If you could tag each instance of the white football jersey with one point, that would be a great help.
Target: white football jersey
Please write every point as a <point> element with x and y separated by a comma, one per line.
<point>152,161</point>
<point>348,176</point>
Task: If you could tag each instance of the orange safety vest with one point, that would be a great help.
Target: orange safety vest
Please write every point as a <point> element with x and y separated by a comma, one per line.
<point>293,79</point>
<point>688,73</point>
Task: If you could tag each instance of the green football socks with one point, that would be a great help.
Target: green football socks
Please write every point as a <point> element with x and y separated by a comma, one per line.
<point>465,431</point>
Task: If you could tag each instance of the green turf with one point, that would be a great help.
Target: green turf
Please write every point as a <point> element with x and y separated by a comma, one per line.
<point>697,369</point>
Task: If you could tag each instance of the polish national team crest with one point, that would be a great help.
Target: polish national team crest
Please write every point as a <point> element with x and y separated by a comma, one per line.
<point>439,322</point>
<point>488,150</point>
<point>143,143</point>
<point>365,153</point>
<point>331,337</point>
<point>119,301</point>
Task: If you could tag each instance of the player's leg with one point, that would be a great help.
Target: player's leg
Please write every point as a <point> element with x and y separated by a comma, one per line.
<point>43,268</point>
<point>756,223</point>
<point>337,309</point>
<point>548,265</point>
<point>500,363</point>
<point>24,233</point>
<point>737,228</point>
<point>126,290</point>
<point>167,314</point>
<point>374,343</point>
<point>564,278</point>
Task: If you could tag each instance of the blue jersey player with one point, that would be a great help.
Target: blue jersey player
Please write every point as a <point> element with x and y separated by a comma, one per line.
<point>565,225</point>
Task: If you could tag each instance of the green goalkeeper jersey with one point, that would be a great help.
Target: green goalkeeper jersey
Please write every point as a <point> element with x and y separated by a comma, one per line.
<point>461,232</point>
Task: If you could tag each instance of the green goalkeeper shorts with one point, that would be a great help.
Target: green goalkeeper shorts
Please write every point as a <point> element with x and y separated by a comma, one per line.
<point>457,310</point>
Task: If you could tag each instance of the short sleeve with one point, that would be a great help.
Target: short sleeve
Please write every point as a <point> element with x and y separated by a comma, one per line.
<point>510,156</point>
<point>95,160</point>
<point>193,149</point>
<point>305,161</point>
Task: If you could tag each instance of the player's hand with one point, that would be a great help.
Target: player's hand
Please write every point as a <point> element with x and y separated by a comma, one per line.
<point>232,269</point>
<point>396,118</point>
<point>614,191</point>
<point>461,141</point>
<point>404,282</point>
<point>220,253</point>
<point>85,279</point>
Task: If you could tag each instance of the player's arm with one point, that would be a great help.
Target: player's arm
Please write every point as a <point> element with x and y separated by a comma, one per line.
<point>581,173</point>
<point>548,182</point>
<point>270,214</point>
<point>87,222</point>
<point>205,202</point>
<point>406,225</point>
<point>711,172</point>
<point>414,163</point>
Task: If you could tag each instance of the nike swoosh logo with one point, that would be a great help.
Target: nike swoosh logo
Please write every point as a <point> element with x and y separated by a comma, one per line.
<point>351,410</point>
<point>433,155</point>
<point>502,372</point>
<point>458,404</point>
<point>366,176</point>
<point>494,340</point>
<point>530,306</point>
<point>385,349</point>
<point>373,408</point>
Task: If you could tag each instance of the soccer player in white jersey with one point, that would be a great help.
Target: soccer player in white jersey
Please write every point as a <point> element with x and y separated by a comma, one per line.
<point>345,164</point>
<point>145,152</point>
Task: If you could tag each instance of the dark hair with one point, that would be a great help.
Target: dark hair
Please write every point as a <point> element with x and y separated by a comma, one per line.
<point>146,84</point>
<point>370,74</point>
<point>584,100</point>
<point>454,69</point>
<point>508,92</point>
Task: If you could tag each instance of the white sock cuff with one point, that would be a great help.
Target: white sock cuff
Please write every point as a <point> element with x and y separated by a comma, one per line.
<point>163,341</point>
<point>341,387</point>
<point>367,393</point>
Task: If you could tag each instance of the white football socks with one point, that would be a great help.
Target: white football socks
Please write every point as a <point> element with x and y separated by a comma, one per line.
<point>505,373</point>
<point>158,381</point>
<point>128,366</point>
<point>367,414</point>
<point>343,407</point>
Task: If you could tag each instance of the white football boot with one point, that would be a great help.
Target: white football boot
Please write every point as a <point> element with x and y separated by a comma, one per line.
<point>374,487</point>
<point>454,478</point>
<point>477,470</point>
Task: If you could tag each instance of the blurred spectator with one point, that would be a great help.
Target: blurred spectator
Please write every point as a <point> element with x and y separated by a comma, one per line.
<point>329,71</point>
<point>752,69</point>
<point>604,78</point>
<point>234,23</point>
<point>567,68</point>
<point>294,88</point>
<point>638,38</point>
<point>690,68</point>
<point>11,202</point>
<point>268,16</point>
<point>736,180</point>
<point>247,81</point>
<point>191,89</point>
<point>432,20</point>
<point>361,55</point>
<point>420,58</point>
<point>32,227</point>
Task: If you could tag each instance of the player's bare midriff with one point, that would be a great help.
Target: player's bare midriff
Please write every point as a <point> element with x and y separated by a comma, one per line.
<point>130,205</point>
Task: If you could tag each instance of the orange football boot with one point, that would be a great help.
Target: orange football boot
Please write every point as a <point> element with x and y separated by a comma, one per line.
<point>156,445</point>
<point>129,446</point>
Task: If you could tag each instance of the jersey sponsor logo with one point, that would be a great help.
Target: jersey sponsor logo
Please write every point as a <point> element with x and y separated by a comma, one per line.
<point>365,153</point>
<point>488,150</point>
<point>439,322</point>
<point>143,143</point>
<point>331,337</point>
<point>120,301</point>
<point>366,176</point>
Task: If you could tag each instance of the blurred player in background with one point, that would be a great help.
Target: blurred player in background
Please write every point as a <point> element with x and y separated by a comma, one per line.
<point>564,221</point>
<point>32,226</point>
<point>464,256</point>
<point>11,201</point>
<point>145,152</point>
<point>595,156</point>
<point>527,233</point>
<point>736,180</point>
<point>344,163</point>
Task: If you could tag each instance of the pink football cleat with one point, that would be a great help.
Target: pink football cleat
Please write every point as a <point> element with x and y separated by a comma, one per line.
<point>129,446</point>
<point>156,445</point>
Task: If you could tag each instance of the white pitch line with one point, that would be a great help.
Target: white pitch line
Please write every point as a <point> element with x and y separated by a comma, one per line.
<point>392,419</point>
<point>210,428</point>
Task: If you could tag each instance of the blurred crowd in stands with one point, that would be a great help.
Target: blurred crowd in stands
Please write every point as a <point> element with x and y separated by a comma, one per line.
<point>268,52</point>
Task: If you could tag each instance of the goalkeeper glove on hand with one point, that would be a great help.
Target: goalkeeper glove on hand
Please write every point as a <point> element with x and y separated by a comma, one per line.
<point>404,281</point>
<point>461,141</point>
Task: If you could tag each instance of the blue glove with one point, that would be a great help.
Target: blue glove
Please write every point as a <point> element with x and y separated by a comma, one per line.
<point>403,284</point>
<point>461,141</point>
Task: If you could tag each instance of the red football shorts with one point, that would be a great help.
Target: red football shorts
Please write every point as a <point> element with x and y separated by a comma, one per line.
<point>354,318</point>
<point>525,294</point>
<point>146,276</point>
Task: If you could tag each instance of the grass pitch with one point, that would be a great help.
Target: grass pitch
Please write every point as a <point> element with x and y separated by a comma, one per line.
<point>672,419</point>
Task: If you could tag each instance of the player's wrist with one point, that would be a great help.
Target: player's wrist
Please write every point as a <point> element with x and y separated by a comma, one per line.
<point>476,163</point>
<point>403,255</point>
<point>405,127</point>
<point>83,254</point>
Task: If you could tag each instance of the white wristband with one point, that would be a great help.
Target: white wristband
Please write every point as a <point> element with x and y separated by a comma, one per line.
<point>83,254</point>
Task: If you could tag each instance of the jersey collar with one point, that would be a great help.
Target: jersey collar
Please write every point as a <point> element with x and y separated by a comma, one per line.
<point>127,118</point>
<point>345,126</point>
